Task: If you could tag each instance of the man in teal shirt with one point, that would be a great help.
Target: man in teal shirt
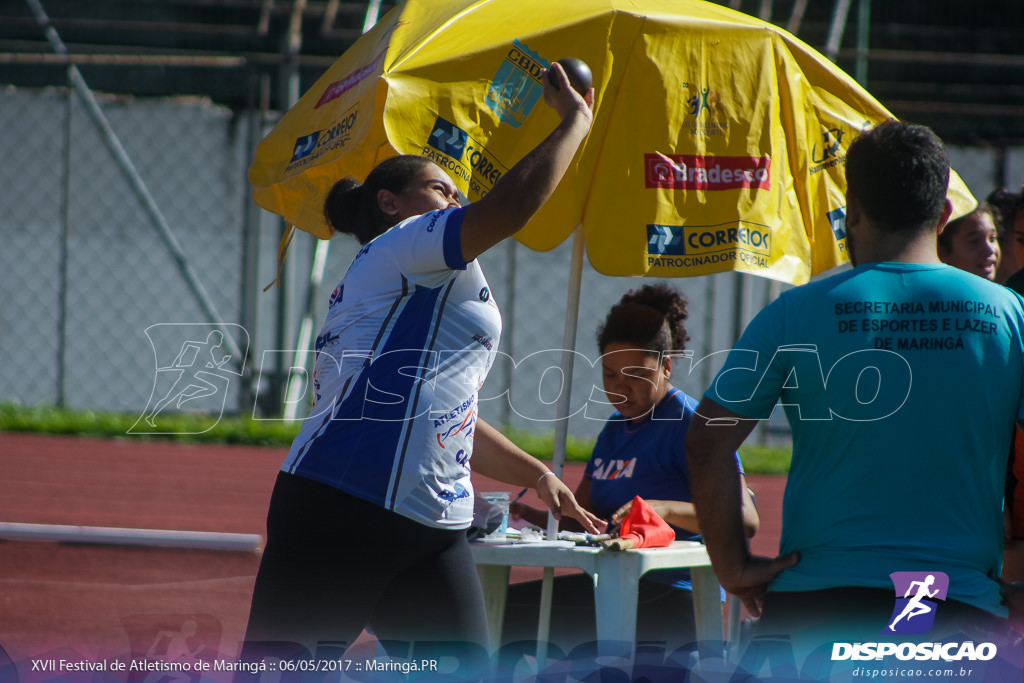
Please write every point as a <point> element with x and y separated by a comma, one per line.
<point>901,380</point>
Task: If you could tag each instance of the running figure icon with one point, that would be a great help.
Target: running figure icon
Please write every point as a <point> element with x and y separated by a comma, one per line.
<point>187,365</point>
<point>915,606</point>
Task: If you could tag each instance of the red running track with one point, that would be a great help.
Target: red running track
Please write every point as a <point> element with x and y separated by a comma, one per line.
<point>104,601</point>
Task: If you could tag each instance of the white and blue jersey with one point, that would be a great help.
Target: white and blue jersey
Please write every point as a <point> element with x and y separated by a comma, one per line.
<point>646,458</point>
<point>410,335</point>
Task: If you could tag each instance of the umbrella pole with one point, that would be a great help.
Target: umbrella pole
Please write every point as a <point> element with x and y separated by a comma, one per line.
<point>298,383</point>
<point>572,311</point>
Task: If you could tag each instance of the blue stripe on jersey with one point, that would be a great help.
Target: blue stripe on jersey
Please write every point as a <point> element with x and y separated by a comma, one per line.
<point>348,454</point>
<point>453,241</point>
<point>419,386</point>
<point>344,393</point>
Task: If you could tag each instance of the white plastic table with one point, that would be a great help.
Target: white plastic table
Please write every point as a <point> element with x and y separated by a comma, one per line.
<point>616,575</point>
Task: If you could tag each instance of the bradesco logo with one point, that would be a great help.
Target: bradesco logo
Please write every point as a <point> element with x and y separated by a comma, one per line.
<point>918,595</point>
<point>339,88</point>
<point>694,172</point>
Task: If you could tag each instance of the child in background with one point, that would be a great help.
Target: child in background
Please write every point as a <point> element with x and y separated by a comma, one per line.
<point>971,243</point>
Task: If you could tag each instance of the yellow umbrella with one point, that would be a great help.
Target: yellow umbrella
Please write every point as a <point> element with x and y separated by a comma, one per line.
<point>718,140</point>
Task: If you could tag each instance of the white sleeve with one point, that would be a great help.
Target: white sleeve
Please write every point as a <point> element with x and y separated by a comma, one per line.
<point>429,244</point>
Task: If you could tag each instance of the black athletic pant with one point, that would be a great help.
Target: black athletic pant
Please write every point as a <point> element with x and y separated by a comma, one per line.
<point>334,564</point>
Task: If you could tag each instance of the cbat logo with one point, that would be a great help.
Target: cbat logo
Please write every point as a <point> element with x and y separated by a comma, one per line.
<point>709,173</point>
<point>516,87</point>
<point>837,219</point>
<point>665,239</point>
<point>917,596</point>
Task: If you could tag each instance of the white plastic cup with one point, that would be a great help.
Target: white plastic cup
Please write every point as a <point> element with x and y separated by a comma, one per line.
<point>500,499</point>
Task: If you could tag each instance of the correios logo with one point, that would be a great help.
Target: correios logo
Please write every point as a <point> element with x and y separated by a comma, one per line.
<point>697,172</point>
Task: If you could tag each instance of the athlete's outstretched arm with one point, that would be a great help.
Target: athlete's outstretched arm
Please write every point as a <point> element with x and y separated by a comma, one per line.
<point>526,186</point>
<point>495,456</point>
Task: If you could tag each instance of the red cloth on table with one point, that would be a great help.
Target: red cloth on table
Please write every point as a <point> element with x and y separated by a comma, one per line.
<point>645,526</point>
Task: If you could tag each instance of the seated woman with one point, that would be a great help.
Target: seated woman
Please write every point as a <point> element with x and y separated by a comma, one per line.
<point>971,243</point>
<point>641,452</point>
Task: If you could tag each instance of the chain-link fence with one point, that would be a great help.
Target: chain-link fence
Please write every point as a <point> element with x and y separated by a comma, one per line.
<point>130,252</point>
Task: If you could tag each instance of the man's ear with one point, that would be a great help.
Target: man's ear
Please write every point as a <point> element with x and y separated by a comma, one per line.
<point>853,210</point>
<point>947,211</point>
<point>387,202</point>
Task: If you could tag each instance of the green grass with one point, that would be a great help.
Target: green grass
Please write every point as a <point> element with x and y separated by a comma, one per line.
<point>759,459</point>
<point>542,445</point>
<point>279,434</point>
<point>189,428</point>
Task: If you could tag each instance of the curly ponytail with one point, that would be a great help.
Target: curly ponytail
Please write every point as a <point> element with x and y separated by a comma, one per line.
<point>649,318</point>
<point>351,208</point>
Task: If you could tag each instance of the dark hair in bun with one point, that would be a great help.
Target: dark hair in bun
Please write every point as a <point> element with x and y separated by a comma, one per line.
<point>649,318</point>
<point>351,208</point>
